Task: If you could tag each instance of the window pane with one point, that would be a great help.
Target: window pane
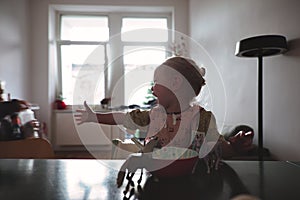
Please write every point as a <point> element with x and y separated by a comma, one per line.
<point>140,63</point>
<point>146,29</point>
<point>141,55</point>
<point>84,28</point>
<point>82,68</point>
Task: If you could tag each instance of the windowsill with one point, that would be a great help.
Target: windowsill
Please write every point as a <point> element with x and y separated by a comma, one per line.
<point>63,111</point>
<point>72,109</point>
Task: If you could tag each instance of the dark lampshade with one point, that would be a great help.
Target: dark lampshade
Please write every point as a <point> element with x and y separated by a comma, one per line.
<point>264,45</point>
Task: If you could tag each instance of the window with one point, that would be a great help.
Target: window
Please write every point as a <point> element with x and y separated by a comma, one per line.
<point>147,26</point>
<point>145,48</point>
<point>84,47</point>
<point>84,28</point>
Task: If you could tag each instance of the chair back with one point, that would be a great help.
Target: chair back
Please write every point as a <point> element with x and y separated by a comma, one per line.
<point>38,148</point>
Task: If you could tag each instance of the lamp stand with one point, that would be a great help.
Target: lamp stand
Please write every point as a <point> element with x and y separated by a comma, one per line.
<point>260,46</point>
<point>260,108</point>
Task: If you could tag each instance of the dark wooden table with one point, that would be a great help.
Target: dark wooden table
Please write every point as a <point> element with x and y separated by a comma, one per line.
<point>96,179</point>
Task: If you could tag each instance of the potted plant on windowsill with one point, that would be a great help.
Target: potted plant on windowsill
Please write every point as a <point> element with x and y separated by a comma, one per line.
<point>59,103</point>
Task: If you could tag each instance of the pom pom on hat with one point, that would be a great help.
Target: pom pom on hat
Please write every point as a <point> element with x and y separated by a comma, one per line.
<point>201,70</point>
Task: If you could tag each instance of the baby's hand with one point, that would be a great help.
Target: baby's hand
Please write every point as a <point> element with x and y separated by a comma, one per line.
<point>87,115</point>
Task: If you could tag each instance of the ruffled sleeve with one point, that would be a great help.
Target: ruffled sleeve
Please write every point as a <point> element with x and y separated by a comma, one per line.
<point>137,119</point>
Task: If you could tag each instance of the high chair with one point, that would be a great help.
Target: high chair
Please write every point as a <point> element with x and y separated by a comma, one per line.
<point>122,149</point>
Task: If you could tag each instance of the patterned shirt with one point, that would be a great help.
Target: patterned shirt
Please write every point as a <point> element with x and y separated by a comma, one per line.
<point>182,130</point>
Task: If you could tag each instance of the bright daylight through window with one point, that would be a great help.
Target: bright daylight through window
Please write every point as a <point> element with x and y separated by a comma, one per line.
<point>83,53</point>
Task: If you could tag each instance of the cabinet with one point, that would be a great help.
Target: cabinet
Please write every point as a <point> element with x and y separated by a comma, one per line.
<point>68,133</point>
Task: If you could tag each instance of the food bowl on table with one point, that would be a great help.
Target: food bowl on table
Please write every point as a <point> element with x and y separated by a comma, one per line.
<point>169,162</point>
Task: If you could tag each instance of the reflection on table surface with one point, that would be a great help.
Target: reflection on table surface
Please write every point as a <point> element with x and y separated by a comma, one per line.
<point>221,184</point>
<point>294,163</point>
<point>57,179</point>
<point>96,179</point>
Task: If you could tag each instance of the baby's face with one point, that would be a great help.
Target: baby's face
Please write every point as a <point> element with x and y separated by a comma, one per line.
<point>170,86</point>
<point>162,86</point>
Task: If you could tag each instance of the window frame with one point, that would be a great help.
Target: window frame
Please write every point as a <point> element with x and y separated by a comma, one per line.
<point>121,44</point>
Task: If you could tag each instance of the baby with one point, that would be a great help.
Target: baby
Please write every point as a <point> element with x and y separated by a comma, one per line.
<point>174,121</point>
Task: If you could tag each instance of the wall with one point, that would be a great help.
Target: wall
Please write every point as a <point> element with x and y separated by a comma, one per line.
<point>14,49</point>
<point>218,25</point>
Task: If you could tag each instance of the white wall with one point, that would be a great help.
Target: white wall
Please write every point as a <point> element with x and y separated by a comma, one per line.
<point>14,48</point>
<point>218,25</point>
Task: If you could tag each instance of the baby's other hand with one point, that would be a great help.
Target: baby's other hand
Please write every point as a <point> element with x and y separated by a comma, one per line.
<point>242,142</point>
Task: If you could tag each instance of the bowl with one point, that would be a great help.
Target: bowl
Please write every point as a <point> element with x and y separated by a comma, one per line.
<point>171,162</point>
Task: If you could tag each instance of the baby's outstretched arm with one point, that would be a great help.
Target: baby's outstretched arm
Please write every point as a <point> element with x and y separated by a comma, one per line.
<point>88,115</point>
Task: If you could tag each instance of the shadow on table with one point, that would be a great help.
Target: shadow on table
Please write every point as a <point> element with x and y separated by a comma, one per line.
<point>221,184</point>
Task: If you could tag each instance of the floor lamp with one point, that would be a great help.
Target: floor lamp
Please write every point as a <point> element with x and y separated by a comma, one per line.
<point>261,46</point>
